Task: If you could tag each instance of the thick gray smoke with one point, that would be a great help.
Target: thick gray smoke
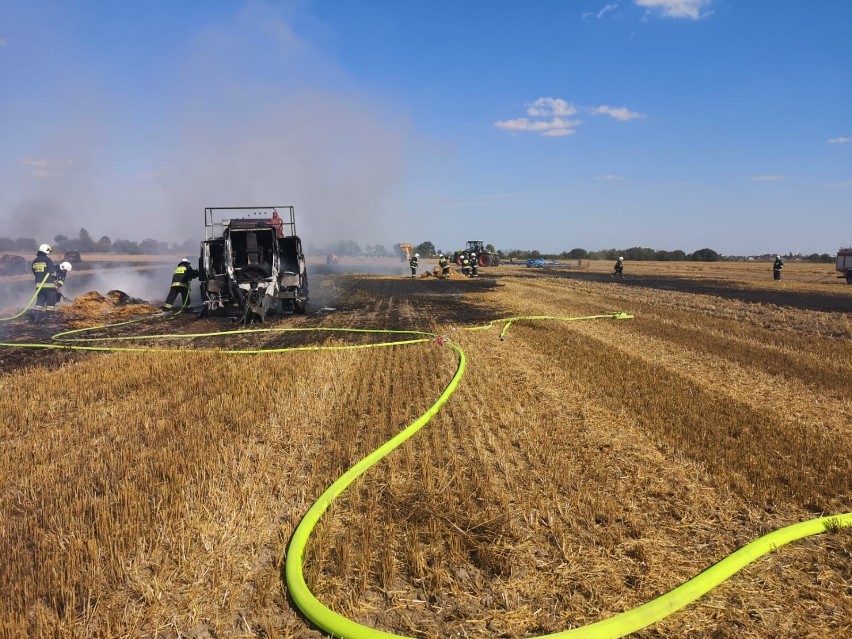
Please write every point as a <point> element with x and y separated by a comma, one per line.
<point>249,115</point>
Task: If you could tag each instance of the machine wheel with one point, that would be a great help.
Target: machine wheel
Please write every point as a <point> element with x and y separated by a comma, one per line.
<point>849,276</point>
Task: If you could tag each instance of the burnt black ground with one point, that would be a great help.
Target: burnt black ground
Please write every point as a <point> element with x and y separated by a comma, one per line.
<point>344,300</point>
<point>839,302</point>
<point>377,299</point>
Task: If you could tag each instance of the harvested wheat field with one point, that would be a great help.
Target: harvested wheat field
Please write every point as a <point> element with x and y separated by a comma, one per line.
<point>580,469</point>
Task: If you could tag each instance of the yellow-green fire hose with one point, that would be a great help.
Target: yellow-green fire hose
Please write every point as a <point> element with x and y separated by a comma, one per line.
<point>30,303</point>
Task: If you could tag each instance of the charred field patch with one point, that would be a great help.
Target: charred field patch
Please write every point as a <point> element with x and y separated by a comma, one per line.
<point>817,300</point>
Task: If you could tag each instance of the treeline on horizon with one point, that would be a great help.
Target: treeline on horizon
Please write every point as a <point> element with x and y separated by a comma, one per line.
<point>85,243</point>
<point>349,248</point>
<point>638,253</point>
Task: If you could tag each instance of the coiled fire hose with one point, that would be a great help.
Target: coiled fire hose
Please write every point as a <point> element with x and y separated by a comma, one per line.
<point>614,627</point>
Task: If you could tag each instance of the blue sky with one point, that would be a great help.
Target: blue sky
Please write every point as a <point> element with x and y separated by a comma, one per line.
<point>671,124</point>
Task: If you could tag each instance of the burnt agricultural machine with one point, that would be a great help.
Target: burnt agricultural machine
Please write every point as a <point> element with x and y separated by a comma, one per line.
<point>252,263</point>
<point>483,257</point>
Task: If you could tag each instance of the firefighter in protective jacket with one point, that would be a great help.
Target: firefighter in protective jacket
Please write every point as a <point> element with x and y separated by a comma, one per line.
<point>183,275</point>
<point>444,263</point>
<point>45,281</point>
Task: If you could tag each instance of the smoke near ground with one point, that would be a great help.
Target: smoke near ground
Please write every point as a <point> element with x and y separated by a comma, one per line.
<point>143,160</point>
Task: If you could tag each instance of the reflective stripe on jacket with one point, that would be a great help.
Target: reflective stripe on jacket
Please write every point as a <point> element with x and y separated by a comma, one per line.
<point>183,275</point>
<point>43,266</point>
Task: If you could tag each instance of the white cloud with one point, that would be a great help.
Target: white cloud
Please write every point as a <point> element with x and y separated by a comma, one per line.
<point>544,107</point>
<point>841,140</point>
<point>600,14</point>
<point>549,117</point>
<point>45,167</point>
<point>610,178</point>
<point>555,127</point>
<point>676,8</point>
<point>622,114</point>
<point>2,41</point>
<point>766,178</point>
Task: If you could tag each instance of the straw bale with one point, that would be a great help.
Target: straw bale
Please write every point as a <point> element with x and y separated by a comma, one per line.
<point>92,307</point>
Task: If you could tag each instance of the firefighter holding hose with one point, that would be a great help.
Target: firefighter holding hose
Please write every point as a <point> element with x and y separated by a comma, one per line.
<point>61,274</point>
<point>45,282</point>
<point>413,264</point>
<point>181,278</point>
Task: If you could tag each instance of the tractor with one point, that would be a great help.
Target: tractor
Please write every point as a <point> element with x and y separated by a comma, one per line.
<point>483,257</point>
<point>252,264</point>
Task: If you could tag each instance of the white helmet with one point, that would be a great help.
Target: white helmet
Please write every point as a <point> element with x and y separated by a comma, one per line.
<point>620,259</point>
<point>417,255</point>
<point>777,257</point>
<point>45,248</point>
<point>65,266</point>
<point>184,261</point>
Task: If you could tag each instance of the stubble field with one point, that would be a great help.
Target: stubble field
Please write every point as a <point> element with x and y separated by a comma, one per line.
<point>580,469</point>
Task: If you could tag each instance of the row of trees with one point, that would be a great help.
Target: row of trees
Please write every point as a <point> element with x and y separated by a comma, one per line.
<point>634,253</point>
<point>85,243</point>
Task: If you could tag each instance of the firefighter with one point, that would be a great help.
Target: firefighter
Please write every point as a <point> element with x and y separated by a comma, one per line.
<point>45,281</point>
<point>474,265</point>
<point>413,264</point>
<point>183,275</point>
<point>619,268</point>
<point>444,263</point>
<point>776,268</point>
<point>465,264</point>
<point>61,274</point>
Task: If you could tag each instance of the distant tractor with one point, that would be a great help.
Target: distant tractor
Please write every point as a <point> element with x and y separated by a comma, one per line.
<point>73,257</point>
<point>484,257</point>
<point>844,264</point>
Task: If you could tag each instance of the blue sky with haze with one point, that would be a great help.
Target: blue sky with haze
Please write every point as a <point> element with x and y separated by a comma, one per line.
<point>671,124</point>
